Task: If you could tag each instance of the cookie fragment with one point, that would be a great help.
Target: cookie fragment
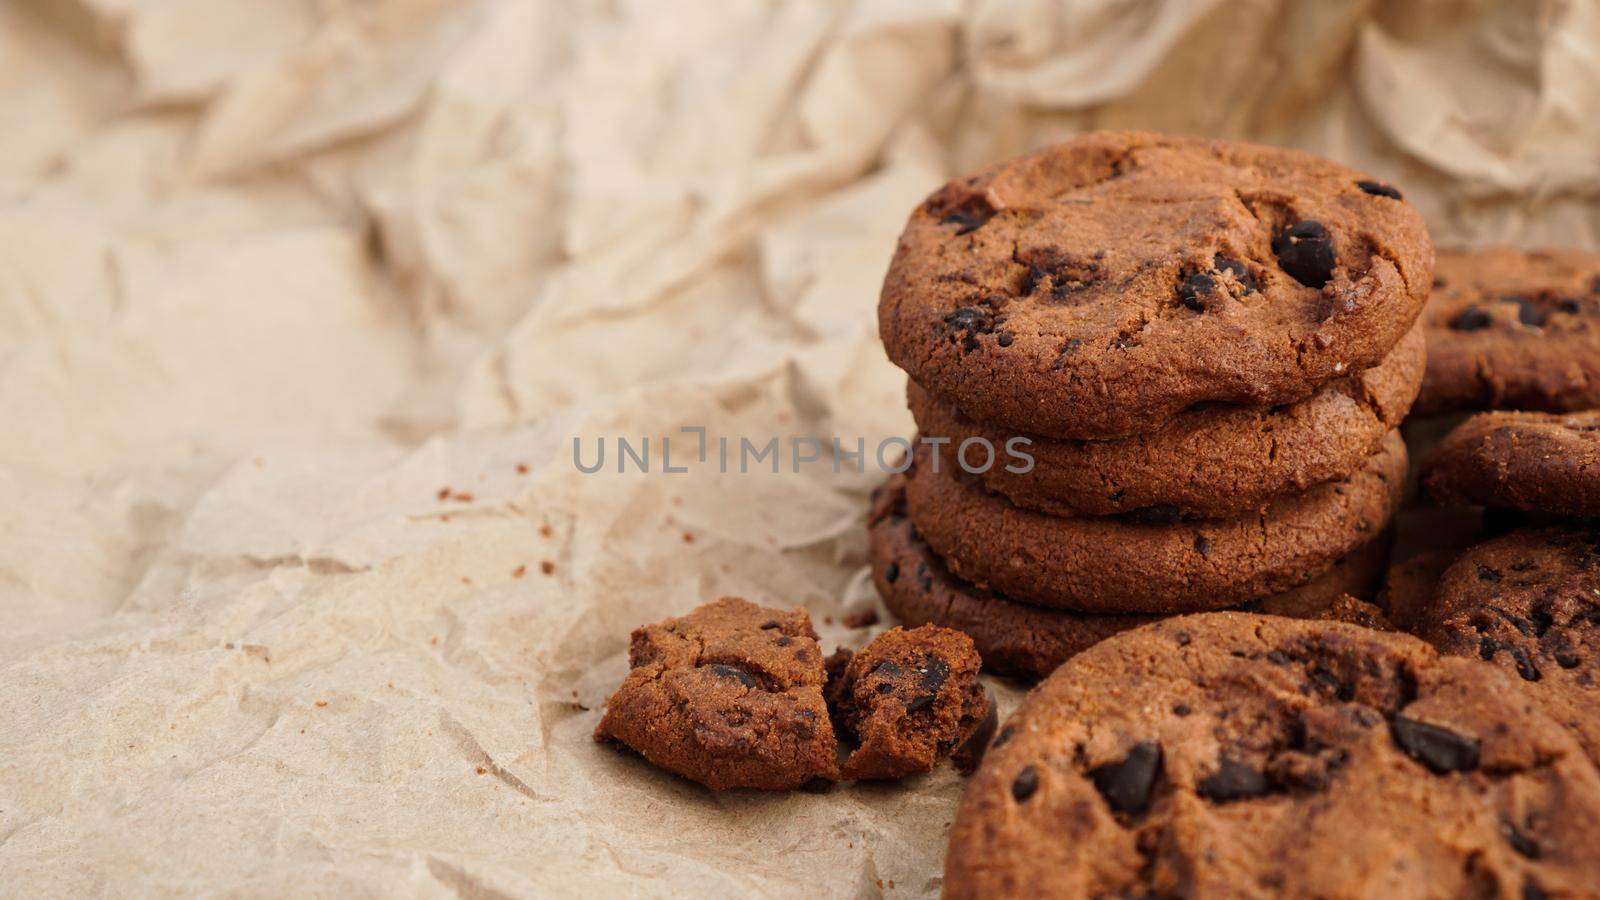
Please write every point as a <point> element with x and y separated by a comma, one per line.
<point>911,698</point>
<point>730,696</point>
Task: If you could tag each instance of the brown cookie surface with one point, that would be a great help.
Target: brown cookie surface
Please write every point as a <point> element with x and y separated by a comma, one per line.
<point>1235,755</point>
<point>1166,565</point>
<point>1217,462</point>
<point>1529,602</point>
<point>1030,641</point>
<point>730,695</point>
<point>1097,288</point>
<point>1538,462</point>
<point>911,698</point>
<point>1513,329</point>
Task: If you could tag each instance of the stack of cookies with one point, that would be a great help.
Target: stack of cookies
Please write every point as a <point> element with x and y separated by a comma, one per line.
<point>1153,376</point>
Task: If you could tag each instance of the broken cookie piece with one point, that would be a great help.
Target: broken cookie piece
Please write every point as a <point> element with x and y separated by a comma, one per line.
<point>730,696</point>
<point>911,698</point>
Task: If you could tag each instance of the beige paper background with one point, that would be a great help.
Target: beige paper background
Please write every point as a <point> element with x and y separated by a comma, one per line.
<point>274,272</point>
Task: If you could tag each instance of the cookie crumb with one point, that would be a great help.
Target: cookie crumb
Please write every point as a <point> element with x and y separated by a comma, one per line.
<point>547,567</point>
<point>866,618</point>
<point>519,571</point>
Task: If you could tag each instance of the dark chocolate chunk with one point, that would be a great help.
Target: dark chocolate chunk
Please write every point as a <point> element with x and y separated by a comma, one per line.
<point>965,220</point>
<point>1194,288</point>
<point>734,672</point>
<point>1239,272</point>
<point>1126,785</point>
<point>1471,319</point>
<point>1202,545</point>
<point>1378,189</point>
<point>1440,749</point>
<point>1232,781</point>
<point>1159,514</point>
<point>1305,251</point>
<point>1025,784</point>
<point>1005,339</point>
<point>891,573</point>
<point>1520,842</point>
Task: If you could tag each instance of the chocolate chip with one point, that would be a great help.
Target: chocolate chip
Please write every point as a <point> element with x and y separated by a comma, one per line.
<point>1004,736</point>
<point>1305,251</point>
<point>1438,283</point>
<point>1232,781</point>
<point>1005,339</point>
<point>784,641</point>
<point>1159,514</point>
<point>1568,305</point>
<point>734,672</point>
<point>934,672</point>
<point>1202,545</point>
<point>1532,891</point>
<point>1520,842</point>
<point>1440,749</point>
<point>1183,638</point>
<point>1126,785</point>
<point>1528,313</point>
<point>1025,784</point>
<point>892,573</point>
<point>1238,270</point>
<point>1030,281</point>
<point>1278,657</point>
<point>967,221</point>
<point>1566,659</point>
<point>1195,287</point>
<point>769,625</point>
<point>1181,709</point>
<point>1487,574</point>
<point>1471,319</point>
<point>1378,189</point>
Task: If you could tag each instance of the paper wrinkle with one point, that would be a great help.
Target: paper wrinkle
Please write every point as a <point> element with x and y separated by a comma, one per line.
<point>274,276</point>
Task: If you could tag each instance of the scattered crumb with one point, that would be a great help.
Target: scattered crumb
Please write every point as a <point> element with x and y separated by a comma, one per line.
<point>544,530</point>
<point>260,462</point>
<point>866,618</point>
<point>466,580</point>
<point>228,646</point>
<point>482,770</point>
<point>688,538</point>
<point>434,640</point>
<point>444,493</point>
<point>547,567</point>
<point>827,620</point>
<point>444,517</point>
<point>522,468</point>
<point>462,497</point>
<point>519,571</point>
<point>391,685</point>
<point>322,703</point>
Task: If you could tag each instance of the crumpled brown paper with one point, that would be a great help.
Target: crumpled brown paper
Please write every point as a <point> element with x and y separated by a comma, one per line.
<point>301,305</point>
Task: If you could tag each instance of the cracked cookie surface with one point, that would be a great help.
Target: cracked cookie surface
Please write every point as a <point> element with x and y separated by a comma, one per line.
<point>911,698</point>
<point>1031,641</point>
<point>1216,462</point>
<point>1149,563</point>
<point>730,695</point>
<point>1529,602</point>
<point>1099,287</point>
<point>1537,462</point>
<point>1513,329</point>
<point>1235,755</point>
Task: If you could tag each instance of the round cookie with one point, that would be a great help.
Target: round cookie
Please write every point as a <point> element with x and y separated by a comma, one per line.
<point>1235,755</point>
<point>1031,641</point>
<point>1099,287</point>
<point>1513,329</point>
<point>1217,462</point>
<point>1121,565</point>
<point>1529,602</point>
<point>1539,462</point>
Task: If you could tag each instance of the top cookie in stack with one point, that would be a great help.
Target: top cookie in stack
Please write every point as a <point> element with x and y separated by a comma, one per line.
<point>1208,346</point>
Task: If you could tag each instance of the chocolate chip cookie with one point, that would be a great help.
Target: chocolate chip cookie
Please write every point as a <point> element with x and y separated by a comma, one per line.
<point>1539,462</point>
<point>1529,602</point>
<point>730,695</point>
<point>1030,641</point>
<point>911,698</point>
<point>1235,755</point>
<point>1513,329</point>
<point>1097,288</point>
<point>1217,462</point>
<point>1151,561</point>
